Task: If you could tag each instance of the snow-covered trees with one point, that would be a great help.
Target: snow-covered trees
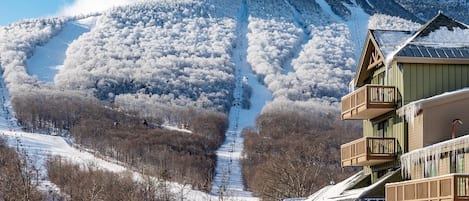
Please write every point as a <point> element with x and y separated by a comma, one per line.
<point>179,53</point>
<point>386,22</point>
<point>272,37</point>
<point>17,42</point>
<point>324,64</point>
<point>167,49</point>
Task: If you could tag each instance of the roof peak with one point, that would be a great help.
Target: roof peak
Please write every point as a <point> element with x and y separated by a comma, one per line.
<point>440,20</point>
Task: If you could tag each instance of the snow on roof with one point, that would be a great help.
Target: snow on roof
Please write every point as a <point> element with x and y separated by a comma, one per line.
<point>443,37</point>
<point>440,33</point>
<point>389,41</point>
<point>340,192</point>
<point>413,108</point>
<point>387,22</point>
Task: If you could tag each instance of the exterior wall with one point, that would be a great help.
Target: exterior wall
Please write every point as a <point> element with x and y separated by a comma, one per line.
<point>416,133</point>
<point>437,121</point>
<point>466,162</point>
<point>433,125</point>
<point>444,166</point>
<point>397,127</point>
<point>400,127</point>
<point>417,171</point>
<point>426,80</point>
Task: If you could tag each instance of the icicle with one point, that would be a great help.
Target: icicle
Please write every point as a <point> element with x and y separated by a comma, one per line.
<point>431,153</point>
<point>410,111</point>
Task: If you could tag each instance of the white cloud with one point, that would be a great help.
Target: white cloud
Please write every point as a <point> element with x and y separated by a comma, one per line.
<point>90,6</point>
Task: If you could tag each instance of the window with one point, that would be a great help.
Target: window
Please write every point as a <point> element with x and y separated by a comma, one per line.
<point>460,163</point>
<point>382,128</point>
<point>431,169</point>
<point>457,162</point>
<point>379,78</point>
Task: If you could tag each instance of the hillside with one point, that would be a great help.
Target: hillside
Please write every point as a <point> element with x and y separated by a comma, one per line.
<point>301,50</point>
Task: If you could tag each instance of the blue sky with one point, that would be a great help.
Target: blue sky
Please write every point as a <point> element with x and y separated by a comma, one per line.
<point>15,10</point>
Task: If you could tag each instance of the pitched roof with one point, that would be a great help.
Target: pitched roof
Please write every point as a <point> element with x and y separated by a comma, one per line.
<point>441,37</point>
<point>439,21</point>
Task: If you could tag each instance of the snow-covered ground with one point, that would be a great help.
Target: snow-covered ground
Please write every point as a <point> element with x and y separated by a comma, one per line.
<point>48,58</point>
<point>228,175</point>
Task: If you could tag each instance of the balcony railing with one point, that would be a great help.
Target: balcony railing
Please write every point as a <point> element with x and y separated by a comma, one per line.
<point>447,187</point>
<point>368,151</point>
<point>368,102</point>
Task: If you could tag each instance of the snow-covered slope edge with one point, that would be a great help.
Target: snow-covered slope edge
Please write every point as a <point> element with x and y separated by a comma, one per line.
<point>47,59</point>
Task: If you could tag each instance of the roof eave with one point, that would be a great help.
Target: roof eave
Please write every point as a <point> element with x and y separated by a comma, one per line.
<point>427,60</point>
<point>369,39</point>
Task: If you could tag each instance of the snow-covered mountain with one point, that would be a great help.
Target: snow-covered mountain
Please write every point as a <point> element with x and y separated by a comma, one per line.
<point>235,56</point>
<point>180,52</point>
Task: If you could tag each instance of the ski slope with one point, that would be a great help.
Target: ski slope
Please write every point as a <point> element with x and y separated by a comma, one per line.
<point>358,23</point>
<point>305,37</point>
<point>47,59</point>
<point>228,180</point>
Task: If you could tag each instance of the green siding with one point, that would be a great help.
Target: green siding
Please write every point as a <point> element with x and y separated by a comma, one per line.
<point>398,123</point>
<point>413,82</point>
<point>426,80</point>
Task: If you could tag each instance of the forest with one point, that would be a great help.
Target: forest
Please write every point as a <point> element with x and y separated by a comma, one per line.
<point>88,183</point>
<point>293,153</point>
<point>139,143</point>
<point>17,176</point>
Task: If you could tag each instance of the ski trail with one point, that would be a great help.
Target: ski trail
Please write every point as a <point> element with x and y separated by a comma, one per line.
<point>47,59</point>
<point>358,26</point>
<point>327,9</point>
<point>305,37</point>
<point>228,180</point>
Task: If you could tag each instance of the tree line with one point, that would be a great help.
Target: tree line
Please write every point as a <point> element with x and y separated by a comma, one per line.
<point>291,155</point>
<point>17,181</point>
<point>136,141</point>
<point>87,183</point>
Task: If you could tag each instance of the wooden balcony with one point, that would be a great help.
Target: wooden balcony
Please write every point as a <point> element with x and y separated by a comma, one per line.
<point>368,151</point>
<point>368,102</point>
<point>447,187</point>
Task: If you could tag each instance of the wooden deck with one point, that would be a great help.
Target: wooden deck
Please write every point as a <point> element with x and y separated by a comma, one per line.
<point>368,151</point>
<point>368,102</point>
<point>441,188</point>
